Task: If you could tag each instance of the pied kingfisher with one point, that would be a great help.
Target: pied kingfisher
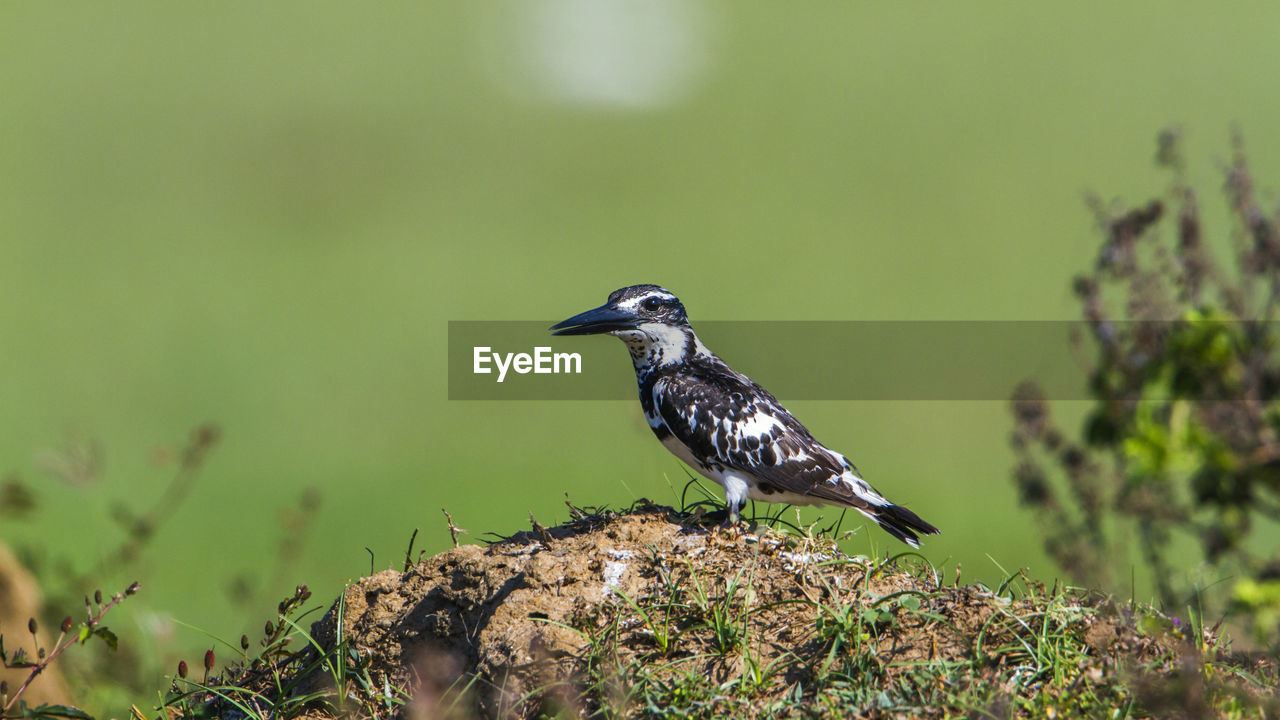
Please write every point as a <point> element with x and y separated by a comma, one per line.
<point>725,426</point>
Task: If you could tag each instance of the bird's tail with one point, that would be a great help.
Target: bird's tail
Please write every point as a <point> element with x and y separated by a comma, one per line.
<point>901,523</point>
<point>895,519</point>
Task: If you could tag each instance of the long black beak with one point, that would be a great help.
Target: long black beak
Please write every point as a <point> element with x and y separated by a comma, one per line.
<point>593,322</point>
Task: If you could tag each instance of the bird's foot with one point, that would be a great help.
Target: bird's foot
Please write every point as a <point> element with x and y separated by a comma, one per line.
<point>732,530</point>
<point>733,525</point>
<point>723,521</point>
<point>715,517</point>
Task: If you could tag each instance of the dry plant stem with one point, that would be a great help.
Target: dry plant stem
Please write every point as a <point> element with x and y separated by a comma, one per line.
<point>453,529</point>
<point>408,553</point>
<point>59,647</point>
<point>203,439</point>
<point>142,527</point>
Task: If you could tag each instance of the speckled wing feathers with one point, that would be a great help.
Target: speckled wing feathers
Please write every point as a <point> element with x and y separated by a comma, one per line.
<point>725,419</point>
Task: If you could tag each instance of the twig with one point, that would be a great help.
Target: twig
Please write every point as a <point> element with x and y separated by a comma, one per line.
<point>408,554</point>
<point>453,529</point>
<point>65,642</point>
<point>540,530</point>
<point>141,528</point>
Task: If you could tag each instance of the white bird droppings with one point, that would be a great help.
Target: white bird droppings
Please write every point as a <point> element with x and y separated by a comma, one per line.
<point>613,572</point>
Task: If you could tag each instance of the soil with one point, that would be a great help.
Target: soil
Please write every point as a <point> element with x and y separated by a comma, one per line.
<point>515,619</point>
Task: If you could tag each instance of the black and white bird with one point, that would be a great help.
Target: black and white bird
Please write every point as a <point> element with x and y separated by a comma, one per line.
<point>724,425</point>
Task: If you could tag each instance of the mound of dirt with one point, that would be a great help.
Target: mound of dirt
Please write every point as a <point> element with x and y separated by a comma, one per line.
<point>548,616</point>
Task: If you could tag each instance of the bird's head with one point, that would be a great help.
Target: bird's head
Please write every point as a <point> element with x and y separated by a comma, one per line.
<point>648,318</point>
<point>630,310</point>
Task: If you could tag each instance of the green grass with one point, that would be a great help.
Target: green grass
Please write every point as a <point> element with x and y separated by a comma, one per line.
<point>289,675</point>
<point>1030,658</point>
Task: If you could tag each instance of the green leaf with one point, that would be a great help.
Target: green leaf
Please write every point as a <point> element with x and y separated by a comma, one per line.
<point>85,633</point>
<point>60,711</point>
<point>108,637</point>
<point>910,602</point>
<point>21,659</point>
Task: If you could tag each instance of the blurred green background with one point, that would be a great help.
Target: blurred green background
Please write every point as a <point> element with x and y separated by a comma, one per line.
<point>263,215</point>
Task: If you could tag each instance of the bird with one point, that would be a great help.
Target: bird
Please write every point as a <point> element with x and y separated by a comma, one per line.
<point>724,425</point>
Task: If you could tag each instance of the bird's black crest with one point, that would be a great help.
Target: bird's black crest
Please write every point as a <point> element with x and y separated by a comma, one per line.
<point>633,291</point>
<point>652,302</point>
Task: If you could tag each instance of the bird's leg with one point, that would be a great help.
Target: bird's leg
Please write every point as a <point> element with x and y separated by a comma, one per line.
<point>732,526</point>
<point>735,498</point>
<point>731,518</point>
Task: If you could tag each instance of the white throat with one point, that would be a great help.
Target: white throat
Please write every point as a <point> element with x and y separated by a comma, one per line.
<point>654,344</point>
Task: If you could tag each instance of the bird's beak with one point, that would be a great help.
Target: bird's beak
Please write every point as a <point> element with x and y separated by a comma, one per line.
<point>594,322</point>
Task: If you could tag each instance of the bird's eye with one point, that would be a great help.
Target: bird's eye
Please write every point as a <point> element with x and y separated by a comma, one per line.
<point>652,304</point>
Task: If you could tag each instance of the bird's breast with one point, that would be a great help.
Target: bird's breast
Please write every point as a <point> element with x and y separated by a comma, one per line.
<point>682,451</point>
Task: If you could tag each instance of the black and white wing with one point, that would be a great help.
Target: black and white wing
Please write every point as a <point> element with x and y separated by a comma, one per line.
<point>727,420</point>
<point>733,423</point>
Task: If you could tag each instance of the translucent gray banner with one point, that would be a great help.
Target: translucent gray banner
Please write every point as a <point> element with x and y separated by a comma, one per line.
<point>857,360</point>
